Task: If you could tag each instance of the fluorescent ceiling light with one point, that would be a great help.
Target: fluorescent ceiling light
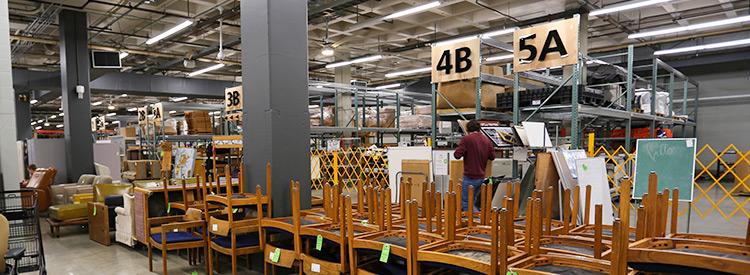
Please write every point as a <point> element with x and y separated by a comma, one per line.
<point>626,6</point>
<point>53,117</point>
<point>61,114</point>
<point>327,50</point>
<point>354,61</point>
<point>408,72</point>
<point>37,127</point>
<point>705,47</point>
<point>712,24</point>
<point>133,109</point>
<point>124,95</point>
<point>124,55</point>
<point>319,86</point>
<point>169,32</point>
<point>208,69</point>
<point>172,112</point>
<point>33,101</point>
<point>33,123</point>
<point>456,40</point>
<point>40,121</point>
<point>499,57</point>
<point>178,99</point>
<point>46,124</point>
<point>498,33</point>
<point>413,10</point>
<point>111,114</point>
<point>111,107</point>
<point>389,86</point>
<point>60,126</point>
<point>97,103</point>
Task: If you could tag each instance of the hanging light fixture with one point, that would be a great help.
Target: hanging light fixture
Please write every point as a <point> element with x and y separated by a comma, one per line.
<point>327,49</point>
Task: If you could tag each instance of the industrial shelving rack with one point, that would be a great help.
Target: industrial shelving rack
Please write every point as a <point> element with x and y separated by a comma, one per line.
<point>325,94</point>
<point>150,143</point>
<point>575,112</point>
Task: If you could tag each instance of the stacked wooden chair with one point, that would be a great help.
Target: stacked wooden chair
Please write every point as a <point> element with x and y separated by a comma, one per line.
<point>657,251</point>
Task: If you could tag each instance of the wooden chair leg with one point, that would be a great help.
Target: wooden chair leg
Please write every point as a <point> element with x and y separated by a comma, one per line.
<point>150,259</point>
<point>234,264</point>
<point>164,260</point>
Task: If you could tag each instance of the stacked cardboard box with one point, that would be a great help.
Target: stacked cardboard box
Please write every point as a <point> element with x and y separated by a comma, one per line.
<point>198,122</point>
<point>142,169</point>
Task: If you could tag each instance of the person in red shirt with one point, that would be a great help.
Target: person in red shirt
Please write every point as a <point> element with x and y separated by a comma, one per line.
<point>476,149</point>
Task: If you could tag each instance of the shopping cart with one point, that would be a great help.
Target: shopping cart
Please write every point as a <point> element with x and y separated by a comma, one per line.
<point>19,207</point>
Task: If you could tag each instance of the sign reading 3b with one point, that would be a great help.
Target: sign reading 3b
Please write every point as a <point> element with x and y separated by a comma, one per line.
<point>548,45</point>
<point>455,61</point>
<point>233,99</point>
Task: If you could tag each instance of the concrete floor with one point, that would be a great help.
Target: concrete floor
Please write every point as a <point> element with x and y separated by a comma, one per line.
<point>74,254</point>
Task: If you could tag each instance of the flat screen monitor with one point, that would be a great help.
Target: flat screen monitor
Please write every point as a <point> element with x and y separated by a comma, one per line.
<point>105,60</point>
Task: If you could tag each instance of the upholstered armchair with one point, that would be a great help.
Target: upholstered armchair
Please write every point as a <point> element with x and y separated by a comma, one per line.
<point>41,181</point>
<point>63,193</point>
<point>107,197</point>
<point>124,222</point>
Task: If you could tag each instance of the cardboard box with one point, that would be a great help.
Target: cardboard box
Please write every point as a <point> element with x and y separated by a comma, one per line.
<point>128,131</point>
<point>462,93</point>
<point>154,169</point>
<point>139,168</point>
<point>418,171</point>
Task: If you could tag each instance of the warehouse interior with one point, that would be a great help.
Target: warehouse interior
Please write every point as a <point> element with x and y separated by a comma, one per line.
<point>341,136</point>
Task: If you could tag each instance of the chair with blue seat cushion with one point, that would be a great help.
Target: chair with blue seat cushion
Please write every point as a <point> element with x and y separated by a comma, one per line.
<point>175,233</point>
<point>241,241</point>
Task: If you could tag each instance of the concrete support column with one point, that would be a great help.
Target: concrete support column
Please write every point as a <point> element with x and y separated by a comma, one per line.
<point>9,161</point>
<point>345,111</point>
<point>275,114</point>
<point>74,70</point>
<point>23,116</point>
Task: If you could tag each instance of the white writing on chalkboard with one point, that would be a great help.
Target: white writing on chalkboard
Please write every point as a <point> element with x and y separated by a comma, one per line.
<point>656,151</point>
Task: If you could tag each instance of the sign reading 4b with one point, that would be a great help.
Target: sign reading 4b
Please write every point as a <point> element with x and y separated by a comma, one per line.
<point>548,45</point>
<point>233,99</point>
<point>455,61</point>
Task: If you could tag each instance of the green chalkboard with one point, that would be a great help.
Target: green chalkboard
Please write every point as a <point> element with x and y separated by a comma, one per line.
<point>673,160</point>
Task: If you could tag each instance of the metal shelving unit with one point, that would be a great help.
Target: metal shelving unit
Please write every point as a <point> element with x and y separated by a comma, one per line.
<point>576,113</point>
<point>325,94</point>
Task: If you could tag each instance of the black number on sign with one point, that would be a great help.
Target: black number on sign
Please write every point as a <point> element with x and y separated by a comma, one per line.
<point>157,113</point>
<point>141,115</point>
<point>463,59</point>
<point>233,98</point>
<point>522,46</point>
<point>445,62</point>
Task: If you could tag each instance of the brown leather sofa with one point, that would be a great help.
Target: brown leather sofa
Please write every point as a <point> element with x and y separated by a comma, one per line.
<point>41,181</point>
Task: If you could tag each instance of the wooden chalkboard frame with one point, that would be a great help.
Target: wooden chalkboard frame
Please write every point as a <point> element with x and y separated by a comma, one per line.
<point>644,182</point>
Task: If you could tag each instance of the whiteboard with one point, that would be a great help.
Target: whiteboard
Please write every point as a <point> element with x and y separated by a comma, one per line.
<point>593,172</point>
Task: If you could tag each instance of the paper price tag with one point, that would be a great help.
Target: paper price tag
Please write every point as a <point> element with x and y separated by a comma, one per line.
<point>364,222</point>
<point>319,243</point>
<point>169,207</point>
<point>276,254</point>
<point>94,214</point>
<point>385,253</point>
<point>234,210</point>
<point>194,273</point>
<point>315,268</point>
<point>174,230</point>
<point>215,227</point>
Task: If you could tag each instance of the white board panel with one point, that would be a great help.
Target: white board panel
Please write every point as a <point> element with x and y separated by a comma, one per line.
<point>593,172</point>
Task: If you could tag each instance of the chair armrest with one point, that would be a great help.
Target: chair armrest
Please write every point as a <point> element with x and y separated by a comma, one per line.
<point>15,253</point>
<point>179,226</point>
<point>164,219</point>
<point>121,211</point>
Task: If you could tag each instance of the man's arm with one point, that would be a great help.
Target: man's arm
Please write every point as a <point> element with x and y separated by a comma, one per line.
<point>491,149</point>
<point>460,151</point>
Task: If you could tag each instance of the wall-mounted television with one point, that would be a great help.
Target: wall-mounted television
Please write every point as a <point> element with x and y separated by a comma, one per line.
<point>105,60</point>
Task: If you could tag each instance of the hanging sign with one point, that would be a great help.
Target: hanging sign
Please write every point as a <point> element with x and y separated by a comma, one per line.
<point>233,99</point>
<point>158,112</point>
<point>455,61</point>
<point>143,115</point>
<point>548,45</point>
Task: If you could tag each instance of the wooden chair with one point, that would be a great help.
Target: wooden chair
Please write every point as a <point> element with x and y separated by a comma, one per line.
<point>286,232</point>
<point>472,256</point>
<point>331,256</point>
<point>231,236</point>
<point>547,263</point>
<point>175,233</point>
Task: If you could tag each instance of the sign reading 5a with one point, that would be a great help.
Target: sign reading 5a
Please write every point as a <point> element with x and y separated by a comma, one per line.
<point>548,45</point>
<point>455,61</point>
